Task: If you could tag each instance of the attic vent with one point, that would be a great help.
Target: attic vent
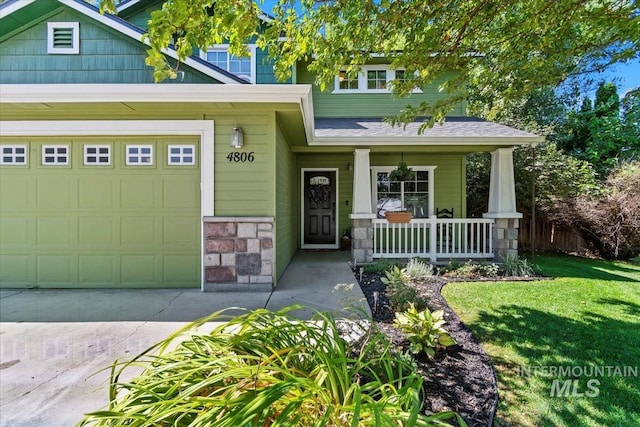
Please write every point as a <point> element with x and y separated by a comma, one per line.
<point>63,37</point>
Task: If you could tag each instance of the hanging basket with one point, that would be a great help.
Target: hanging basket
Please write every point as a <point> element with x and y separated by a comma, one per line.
<point>399,217</point>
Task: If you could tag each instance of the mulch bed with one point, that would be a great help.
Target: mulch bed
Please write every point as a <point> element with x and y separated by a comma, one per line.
<point>459,378</point>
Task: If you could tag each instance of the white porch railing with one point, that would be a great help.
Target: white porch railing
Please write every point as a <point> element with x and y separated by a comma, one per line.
<point>454,238</point>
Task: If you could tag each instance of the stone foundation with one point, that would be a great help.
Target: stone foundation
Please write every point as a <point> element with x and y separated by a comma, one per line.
<point>361,241</point>
<point>238,253</point>
<point>505,237</point>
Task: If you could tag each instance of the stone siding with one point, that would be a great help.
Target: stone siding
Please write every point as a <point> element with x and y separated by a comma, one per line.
<point>238,253</point>
<point>362,241</point>
<point>505,237</point>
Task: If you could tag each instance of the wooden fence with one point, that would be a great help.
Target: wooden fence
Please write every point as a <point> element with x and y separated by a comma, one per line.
<point>549,237</point>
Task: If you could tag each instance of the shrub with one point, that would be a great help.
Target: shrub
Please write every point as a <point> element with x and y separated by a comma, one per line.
<point>515,266</point>
<point>398,290</point>
<point>266,369</point>
<point>425,330</point>
<point>378,267</point>
<point>418,270</point>
<point>471,269</point>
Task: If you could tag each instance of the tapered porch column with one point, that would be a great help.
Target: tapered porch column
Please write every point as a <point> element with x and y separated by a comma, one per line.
<point>502,204</point>
<point>362,209</point>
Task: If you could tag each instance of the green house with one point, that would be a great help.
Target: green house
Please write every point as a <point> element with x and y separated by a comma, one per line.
<point>214,180</point>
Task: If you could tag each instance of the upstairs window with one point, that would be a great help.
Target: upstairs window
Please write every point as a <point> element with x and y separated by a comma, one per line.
<point>63,38</point>
<point>242,66</point>
<point>370,79</point>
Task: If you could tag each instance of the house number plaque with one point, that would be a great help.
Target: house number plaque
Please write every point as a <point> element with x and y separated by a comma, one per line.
<point>241,157</point>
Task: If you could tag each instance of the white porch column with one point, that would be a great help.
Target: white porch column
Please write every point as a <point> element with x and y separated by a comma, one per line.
<point>502,203</point>
<point>362,209</point>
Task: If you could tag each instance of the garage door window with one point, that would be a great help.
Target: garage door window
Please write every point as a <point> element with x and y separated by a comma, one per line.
<point>55,155</point>
<point>181,154</point>
<point>14,155</point>
<point>97,155</point>
<point>139,155</point>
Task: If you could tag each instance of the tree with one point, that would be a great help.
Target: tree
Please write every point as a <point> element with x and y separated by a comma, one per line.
<point>485,50</point>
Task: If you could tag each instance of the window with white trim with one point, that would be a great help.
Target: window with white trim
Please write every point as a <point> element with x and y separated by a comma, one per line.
<point>370,79</point>
<point>415,195</point>
<point>181,154</point>
<point>13,155</point>
<point>55,155</point>
<point>139,155</point>
<point>97,155</point>
<point>63,38</point>
<point>242,66</point>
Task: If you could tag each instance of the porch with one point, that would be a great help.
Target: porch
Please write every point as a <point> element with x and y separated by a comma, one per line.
<point>434,238</point>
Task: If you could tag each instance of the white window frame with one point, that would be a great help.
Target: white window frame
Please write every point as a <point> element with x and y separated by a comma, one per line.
<point>225,48</point>
<point>374,185</point>
<point>75,28</point>
<point>14,155</point>
<point>140,156</point>
<point>362,80</point>
<point>86,155</point>
<point>56,155</point>
<point>181,155</point>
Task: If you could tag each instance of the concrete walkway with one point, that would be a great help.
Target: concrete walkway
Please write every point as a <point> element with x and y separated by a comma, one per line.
<point>52,342</point>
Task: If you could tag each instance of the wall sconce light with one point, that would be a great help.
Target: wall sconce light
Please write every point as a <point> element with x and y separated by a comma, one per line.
<point>236,138</point>
<point>349,166</point>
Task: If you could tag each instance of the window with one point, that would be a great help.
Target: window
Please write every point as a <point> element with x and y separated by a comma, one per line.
<point>97,155</point>
<point>371,78</point>
<point>13,155</point>
<point>415,196</point>
<point>139,155</point>
<point>181,154</point>
<point>55,155</point>
<point>63,38</point>
<point>241,66</point>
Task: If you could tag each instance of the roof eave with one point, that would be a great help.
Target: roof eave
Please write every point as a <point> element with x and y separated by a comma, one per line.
<point>425,140</point>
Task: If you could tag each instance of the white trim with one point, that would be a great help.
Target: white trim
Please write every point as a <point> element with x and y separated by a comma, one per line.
<point>363,80</point>
<point>106,20</point>
<point>225,48</point>
<point>336,244</point>
<point>75,38</point>
<point>430,183</point>
<point>17,5</point>
<point>56,155</point>
<point>202,128</point>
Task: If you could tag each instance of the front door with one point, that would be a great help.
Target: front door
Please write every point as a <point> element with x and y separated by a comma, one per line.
<point>319,209</point>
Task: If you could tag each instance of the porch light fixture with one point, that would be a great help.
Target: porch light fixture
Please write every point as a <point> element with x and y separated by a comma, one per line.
<point>236,138</point>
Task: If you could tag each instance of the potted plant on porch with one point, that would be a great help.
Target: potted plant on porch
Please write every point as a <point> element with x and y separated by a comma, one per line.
<point>400,174</point>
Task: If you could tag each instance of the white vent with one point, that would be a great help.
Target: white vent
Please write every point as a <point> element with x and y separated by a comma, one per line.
<point>63,38</point>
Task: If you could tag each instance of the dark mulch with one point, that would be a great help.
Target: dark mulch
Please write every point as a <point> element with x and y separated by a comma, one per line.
<point>458,378</point>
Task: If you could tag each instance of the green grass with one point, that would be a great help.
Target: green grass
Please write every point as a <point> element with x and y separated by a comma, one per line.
<point>588,316</point>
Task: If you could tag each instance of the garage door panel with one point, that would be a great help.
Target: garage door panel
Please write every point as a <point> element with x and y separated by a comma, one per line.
<point>58,231</point>
<point>16,194</point>
<point>181,193</point>
<point>97,232</point>
<point>179,270</point>
<point>141,193</point>
<point>56,192</point>
<point>55,270</point>
<point>139,269</point>
<point>139,232</point>
<point>16,270</point>
<point>97,270</point>
<point>16,231</point>
<point>180,232</point>
<point>96,193</point>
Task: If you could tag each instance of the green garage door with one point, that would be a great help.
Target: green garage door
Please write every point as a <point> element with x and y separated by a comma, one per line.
<point>100,213</point>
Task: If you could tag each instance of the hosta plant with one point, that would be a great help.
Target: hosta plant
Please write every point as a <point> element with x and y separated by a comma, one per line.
<point>424,329</point>
<point>263,369</point>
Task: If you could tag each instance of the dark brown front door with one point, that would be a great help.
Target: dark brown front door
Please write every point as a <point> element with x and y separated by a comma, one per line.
<point>319,208</point>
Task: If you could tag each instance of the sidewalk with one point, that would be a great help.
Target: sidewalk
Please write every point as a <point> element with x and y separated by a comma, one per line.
<point>53,341</point>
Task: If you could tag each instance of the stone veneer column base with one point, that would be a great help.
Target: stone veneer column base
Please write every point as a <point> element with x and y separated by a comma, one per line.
<point>361,240</point>
<point>505,237</point>
<point>238,254</point>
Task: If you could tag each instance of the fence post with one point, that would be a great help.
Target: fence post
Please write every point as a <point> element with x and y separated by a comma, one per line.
<point>433,236</point>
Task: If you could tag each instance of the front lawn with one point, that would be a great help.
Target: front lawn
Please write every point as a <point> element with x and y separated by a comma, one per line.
<point>566,351</point>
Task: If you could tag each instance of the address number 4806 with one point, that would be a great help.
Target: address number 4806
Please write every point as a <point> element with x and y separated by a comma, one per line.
<point>241,157</point>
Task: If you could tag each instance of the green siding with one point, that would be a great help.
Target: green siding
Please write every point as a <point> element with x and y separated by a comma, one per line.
<point>287,203</point>
<point>327,104</point>
<point>140,16</point>
<point>100,226</point>
<point>106,56</point>
<point>345,181</point>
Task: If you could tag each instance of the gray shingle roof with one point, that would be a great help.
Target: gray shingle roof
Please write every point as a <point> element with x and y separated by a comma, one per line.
<point>453,127</point>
